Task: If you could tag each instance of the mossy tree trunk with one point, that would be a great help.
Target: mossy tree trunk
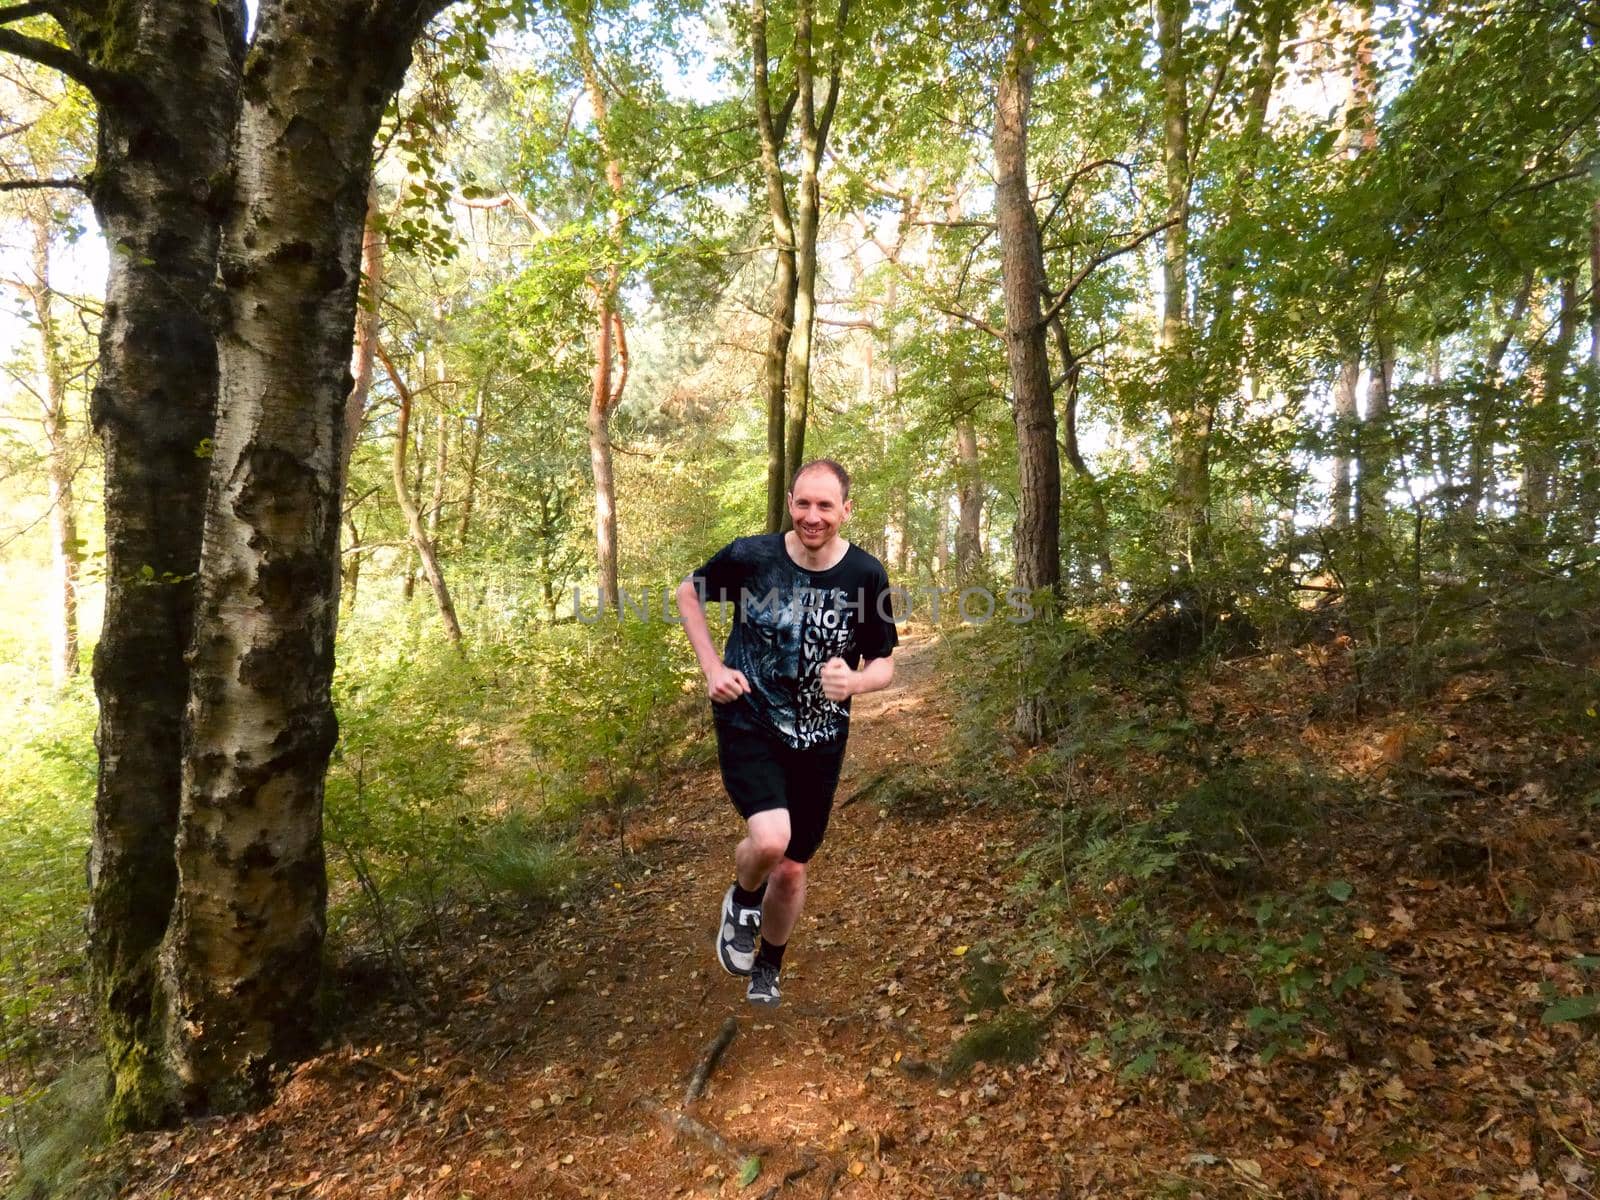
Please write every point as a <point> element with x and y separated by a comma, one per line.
<point>231,188</point>
<point>165,82</point>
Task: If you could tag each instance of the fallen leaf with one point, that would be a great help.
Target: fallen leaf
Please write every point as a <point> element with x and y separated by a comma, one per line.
<point>1395,1090</point>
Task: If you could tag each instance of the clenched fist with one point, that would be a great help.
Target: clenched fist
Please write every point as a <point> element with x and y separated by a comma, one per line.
<point>725,684</point>
<point>838,680</point>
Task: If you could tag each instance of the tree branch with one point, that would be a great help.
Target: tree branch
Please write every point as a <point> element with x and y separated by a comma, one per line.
<point>978,322</point>
<point>830,104</point>
<point>101,84</point>
<point>1098,261</point>
<point>1072,182</point>
<point>19,12</point>
<point>20,185</point>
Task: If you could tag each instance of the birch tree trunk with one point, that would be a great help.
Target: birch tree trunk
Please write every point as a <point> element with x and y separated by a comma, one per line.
<point>1373,449</point>
<point>1346,424</point>
<point>64,553</point>
<point>240,963</point>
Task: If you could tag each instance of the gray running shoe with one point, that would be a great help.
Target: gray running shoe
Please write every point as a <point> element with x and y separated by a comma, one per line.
<point>736,935</point>
<point>763,987</point>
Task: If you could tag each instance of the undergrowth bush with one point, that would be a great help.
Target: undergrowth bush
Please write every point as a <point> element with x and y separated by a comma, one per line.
<point>1153,809</point>
<point>459,778</point>
<point>46,796</point>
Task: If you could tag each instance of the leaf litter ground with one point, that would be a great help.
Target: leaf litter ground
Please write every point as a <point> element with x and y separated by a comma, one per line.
<point>549,1056</point>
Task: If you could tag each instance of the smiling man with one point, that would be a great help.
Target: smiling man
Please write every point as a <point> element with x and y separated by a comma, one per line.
<point>811,628</point>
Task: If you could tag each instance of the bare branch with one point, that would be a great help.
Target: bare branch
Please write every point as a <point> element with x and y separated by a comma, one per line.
<point>1072,183</point>
<point>1098,261</point>
<point>978,322</point>
<point>20,185</point>
<point>101,84</point>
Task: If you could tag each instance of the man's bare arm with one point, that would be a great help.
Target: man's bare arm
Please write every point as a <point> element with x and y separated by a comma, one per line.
<point>840,682</point>
<point>723,683</point>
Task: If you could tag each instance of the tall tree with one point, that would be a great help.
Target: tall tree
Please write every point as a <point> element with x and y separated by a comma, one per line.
<point>165,81</point>
<point>1038,536</point>
<point>610,340</point>
<point>59,466</point>
<point>1190,410</point>
<point>418,528</point>
<point>232,189</point>
<point>795,225</point>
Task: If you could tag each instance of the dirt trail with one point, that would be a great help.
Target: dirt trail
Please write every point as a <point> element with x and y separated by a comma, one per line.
<point>554,1053</point>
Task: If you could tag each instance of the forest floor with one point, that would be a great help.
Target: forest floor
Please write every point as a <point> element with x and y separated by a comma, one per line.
<point>547,1054</point>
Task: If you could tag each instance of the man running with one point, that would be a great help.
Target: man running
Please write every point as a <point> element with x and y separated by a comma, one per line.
<point>812,627</point>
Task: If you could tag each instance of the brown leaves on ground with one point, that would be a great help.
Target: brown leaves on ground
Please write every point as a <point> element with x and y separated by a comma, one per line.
<point>547,1031</point>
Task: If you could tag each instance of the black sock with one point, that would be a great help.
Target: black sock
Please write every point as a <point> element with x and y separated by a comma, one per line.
<point>749,899</point>
<point>770,954</point>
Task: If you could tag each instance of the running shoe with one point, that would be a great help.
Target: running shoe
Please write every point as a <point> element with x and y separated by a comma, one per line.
<point>736,935</point>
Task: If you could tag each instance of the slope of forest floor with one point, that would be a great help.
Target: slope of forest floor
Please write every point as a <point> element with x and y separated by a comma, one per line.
<point>547,1055</point>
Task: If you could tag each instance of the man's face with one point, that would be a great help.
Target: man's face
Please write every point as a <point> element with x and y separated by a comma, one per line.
<point>817,508</point>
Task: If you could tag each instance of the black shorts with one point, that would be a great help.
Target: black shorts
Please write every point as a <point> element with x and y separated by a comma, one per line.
<point>762,772</point>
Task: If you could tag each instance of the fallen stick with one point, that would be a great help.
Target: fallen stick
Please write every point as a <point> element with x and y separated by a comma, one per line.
<point>709,1057</point>
<point>866,789</point>
<point>677,1122</point>
<point>807,1165</point>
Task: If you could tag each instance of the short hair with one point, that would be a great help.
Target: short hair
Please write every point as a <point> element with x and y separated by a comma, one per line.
<point>825,464</point>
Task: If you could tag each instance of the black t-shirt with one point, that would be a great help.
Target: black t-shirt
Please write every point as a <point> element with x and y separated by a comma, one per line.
<point>787,622</point>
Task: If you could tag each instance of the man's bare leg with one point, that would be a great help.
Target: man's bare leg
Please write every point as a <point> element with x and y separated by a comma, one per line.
<point>762,848</point>
<point>786,895</point>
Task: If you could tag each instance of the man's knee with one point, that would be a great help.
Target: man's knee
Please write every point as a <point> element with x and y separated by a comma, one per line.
<point>788,875</point>
<point>769,841</point>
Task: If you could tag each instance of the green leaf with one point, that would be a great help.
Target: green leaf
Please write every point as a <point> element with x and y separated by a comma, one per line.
<point>1340,890</point>
<point>1572,1008</point>
<point>749,1171</point>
